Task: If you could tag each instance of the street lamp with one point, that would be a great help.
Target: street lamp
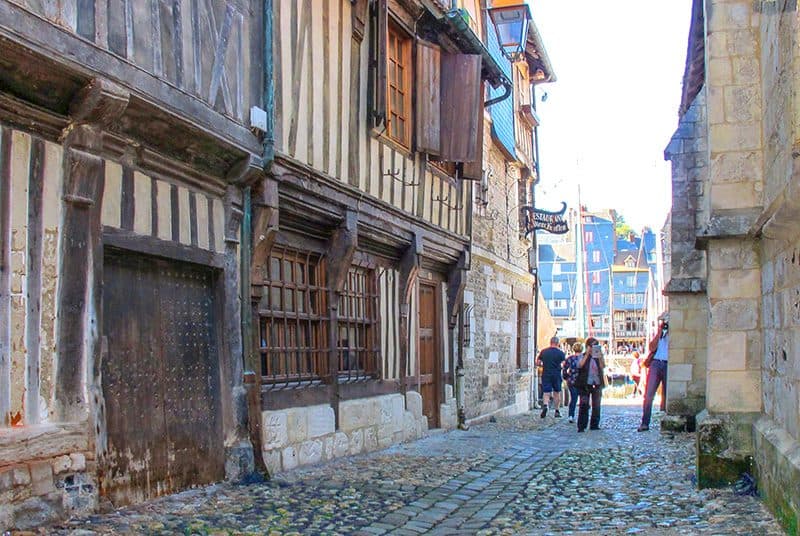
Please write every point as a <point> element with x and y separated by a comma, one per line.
<point>510,19</point>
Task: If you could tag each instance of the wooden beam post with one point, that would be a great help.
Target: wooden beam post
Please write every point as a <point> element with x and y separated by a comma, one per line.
<point>456,281</point>
<point>409,268</point>
<point>359,15</point>
<point>341,249</point>
<point>5,276</point>
<point>239,453</point>
<point>94,108</point>
<point>264,227</point>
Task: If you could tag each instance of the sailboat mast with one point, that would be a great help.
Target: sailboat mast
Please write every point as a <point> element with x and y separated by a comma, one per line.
<point>579,280</point>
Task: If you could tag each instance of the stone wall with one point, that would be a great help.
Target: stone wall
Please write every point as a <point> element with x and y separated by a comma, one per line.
<point>497,282</point>
<point>46,473</point>
<point>777,436</point>
<point>686,388</point>
<point>492,380</point>
<point>686,285</point>
<point>746,219</point>
<point>308,435</point>
<point>727,208</point>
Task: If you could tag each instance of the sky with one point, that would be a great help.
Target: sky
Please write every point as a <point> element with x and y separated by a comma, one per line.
<point>614,106</point>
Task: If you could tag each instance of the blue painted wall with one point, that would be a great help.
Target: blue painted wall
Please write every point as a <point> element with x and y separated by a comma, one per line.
<point>502,113</point>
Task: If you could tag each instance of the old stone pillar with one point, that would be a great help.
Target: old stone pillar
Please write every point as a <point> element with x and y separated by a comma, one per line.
<point>686,285</point>
<point>732,206</point>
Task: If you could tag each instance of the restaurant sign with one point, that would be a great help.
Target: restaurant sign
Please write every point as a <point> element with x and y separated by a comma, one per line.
<point>552,222</point>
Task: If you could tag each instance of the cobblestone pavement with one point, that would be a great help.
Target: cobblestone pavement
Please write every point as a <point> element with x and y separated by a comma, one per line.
<point>521,475</point>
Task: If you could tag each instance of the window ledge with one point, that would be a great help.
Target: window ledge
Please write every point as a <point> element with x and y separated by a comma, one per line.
<point>381,136</point>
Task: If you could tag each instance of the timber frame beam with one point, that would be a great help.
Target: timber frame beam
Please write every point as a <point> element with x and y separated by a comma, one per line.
<point>409,269</point>
<point>456,281</point>
<point>68,66</point>
<point>96,106</point>
<point>341,249</point>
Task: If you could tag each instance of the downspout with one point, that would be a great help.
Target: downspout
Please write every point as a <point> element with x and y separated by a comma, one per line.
<point>459,369</point>
<point>252,374</point>
<point>534,268</point>
<point>507,86</point>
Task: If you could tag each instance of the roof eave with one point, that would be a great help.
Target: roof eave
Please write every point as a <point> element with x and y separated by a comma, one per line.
<point>536,56</point>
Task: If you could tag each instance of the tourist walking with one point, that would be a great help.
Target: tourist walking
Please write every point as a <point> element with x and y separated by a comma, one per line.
<point>656,363</point>
<point>590,384</point>
<point>571,376</point>
<point>550,359</point>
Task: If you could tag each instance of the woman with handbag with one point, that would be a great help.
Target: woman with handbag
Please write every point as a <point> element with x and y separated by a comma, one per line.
<point>590,384</point>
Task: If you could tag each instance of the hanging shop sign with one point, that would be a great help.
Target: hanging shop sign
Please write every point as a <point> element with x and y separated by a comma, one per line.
<point>552,222</point>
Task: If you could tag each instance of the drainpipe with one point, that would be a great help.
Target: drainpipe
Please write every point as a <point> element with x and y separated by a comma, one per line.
<point>269,87</point>
<point>507,86</point>
<point>253,377</point>
<point>534,266</point>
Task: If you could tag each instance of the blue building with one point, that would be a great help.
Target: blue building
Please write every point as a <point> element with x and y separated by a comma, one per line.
<point>597,285</point>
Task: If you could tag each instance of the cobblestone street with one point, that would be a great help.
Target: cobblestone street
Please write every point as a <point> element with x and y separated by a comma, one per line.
<point>522,475</point>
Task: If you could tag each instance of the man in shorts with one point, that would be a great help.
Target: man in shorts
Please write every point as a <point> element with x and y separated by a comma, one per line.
<point>550,359</point>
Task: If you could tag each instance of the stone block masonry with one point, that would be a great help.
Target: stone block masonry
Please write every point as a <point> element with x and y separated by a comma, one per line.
<point>55,481</point>
<point>736,250</point>
<point>307,435</point>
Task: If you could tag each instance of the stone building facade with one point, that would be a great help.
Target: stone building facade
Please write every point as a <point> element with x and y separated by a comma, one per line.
<point>686,283</point>
<point>741,210</point>
<point>500,291</point>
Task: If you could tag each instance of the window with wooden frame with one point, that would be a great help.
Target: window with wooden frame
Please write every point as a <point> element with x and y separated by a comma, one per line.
<point>358,326</point>
<point>398,85</point>
<point>523,320</point>
<point>447,118</point>
<point>293,318</point>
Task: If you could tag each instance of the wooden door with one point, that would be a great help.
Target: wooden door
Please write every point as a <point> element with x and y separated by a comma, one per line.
<point>429,353</point>
<point>160,378</point>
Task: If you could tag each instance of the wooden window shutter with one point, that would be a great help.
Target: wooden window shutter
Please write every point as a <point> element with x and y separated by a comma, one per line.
<point>461,103</point>
<point>379,28</point>
<point>428,90</point>
<point>474,170</point>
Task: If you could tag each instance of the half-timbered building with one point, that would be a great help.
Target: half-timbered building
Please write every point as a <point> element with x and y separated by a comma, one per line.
<point>226,225</point>
<point>361,227</point>
<point>125,150</point>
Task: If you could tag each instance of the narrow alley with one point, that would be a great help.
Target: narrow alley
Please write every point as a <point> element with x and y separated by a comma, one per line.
<point>521,475</point>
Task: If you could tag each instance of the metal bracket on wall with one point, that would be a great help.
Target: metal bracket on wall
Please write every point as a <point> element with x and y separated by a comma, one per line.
<point>396,176</point>
<point>446,202</point>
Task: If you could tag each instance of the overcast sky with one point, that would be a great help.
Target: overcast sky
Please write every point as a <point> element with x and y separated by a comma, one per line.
<point>614,107</point>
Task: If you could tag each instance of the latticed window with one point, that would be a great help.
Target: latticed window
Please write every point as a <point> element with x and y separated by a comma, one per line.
<point>358,327</point>
<point>398,80</point>
<point>293,318</point>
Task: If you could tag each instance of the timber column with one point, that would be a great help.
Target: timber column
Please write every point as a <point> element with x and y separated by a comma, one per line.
<point>736,160</point>
<point>239,452</point>
<point>81,272</point>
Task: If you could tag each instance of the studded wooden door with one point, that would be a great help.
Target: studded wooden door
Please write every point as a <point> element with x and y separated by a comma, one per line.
<point>160,378</point>
<point>428,362</point>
